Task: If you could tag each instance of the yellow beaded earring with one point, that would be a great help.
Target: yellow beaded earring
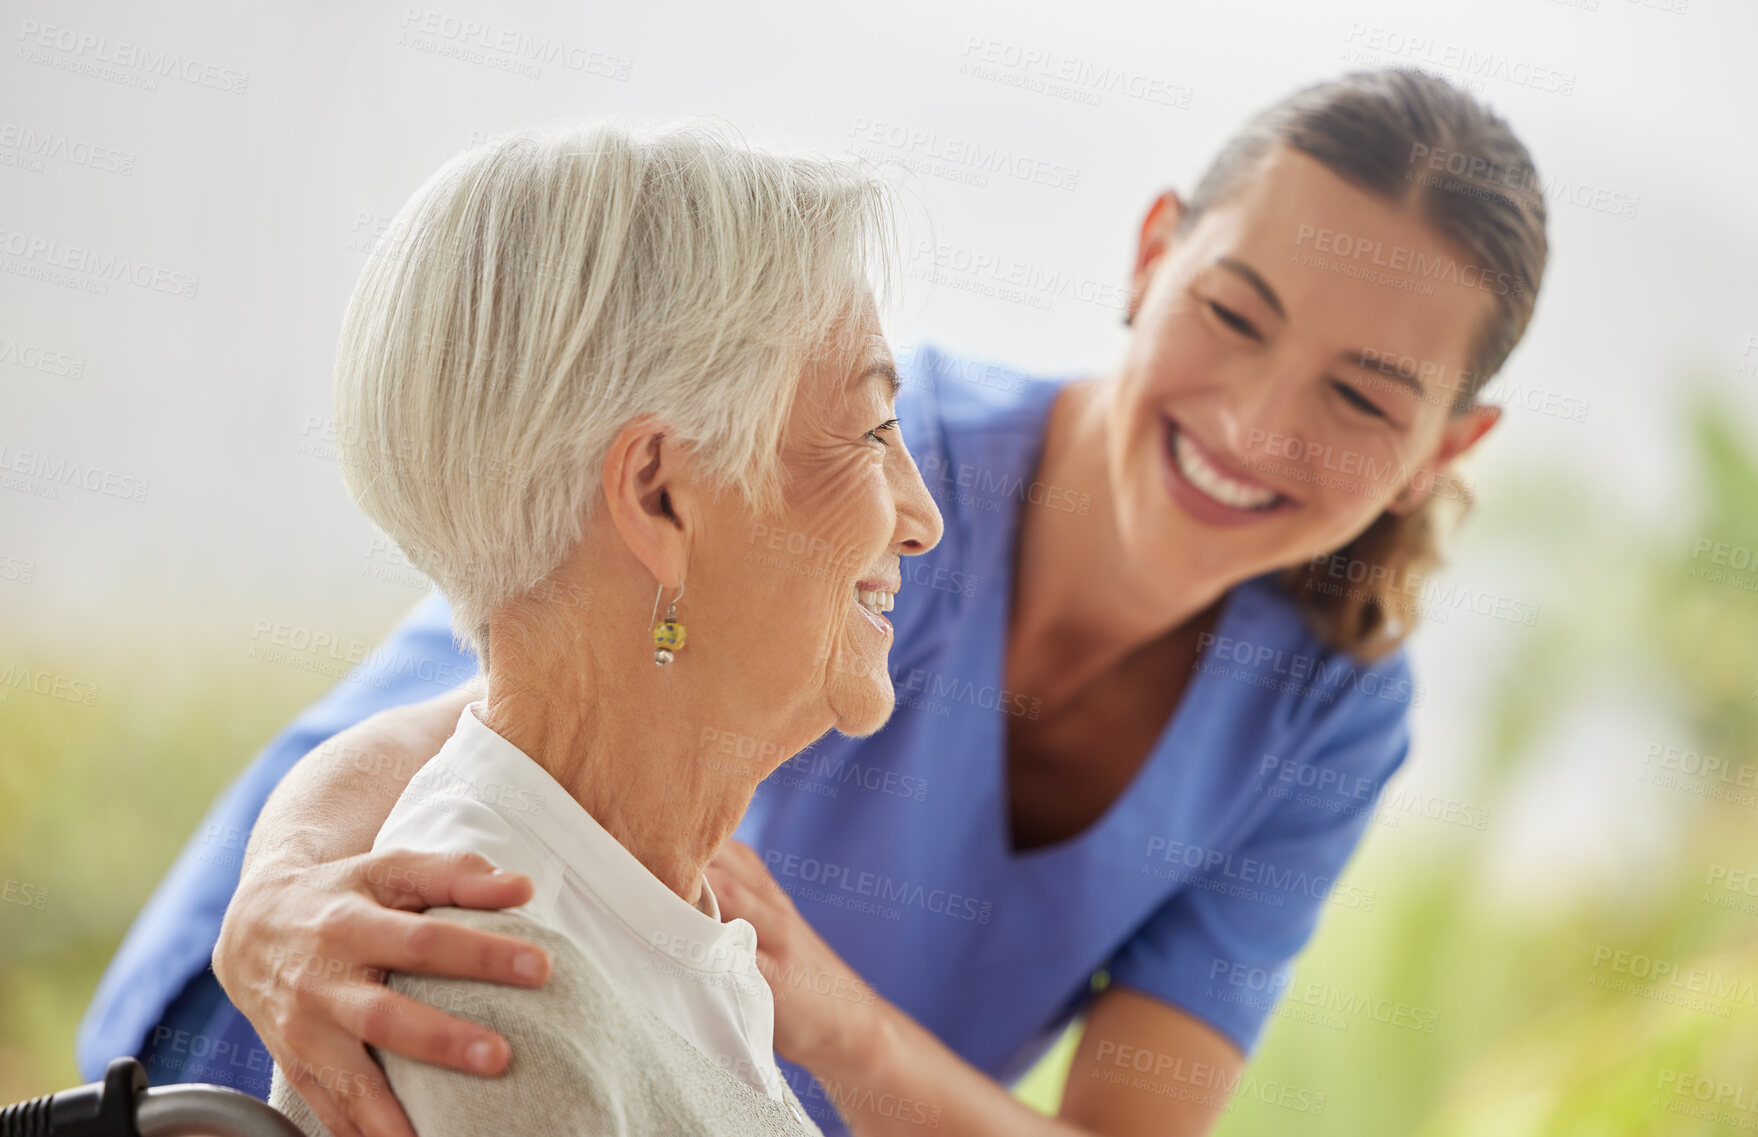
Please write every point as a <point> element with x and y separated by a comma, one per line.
<point>668,637</point>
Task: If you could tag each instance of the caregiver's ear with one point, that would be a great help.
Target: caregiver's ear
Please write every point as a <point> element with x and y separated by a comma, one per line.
<point>1459,435</point>
<point>1157,231</point>
<point>1462,432</point>
<point>647,479</point>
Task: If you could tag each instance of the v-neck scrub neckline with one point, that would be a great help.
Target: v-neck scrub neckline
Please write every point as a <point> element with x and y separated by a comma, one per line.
<point>1139,789</point>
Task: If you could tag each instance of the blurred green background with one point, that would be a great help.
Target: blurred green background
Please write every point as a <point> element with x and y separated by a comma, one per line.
<point>1508,945</point>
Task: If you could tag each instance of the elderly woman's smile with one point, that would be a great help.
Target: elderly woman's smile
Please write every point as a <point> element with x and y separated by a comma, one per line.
<point>811,592</point>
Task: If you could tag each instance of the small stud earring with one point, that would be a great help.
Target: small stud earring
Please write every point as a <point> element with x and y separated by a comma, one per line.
<point>668,637</point>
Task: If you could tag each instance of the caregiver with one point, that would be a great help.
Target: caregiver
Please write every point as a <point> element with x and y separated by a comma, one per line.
<point>1149,685</point>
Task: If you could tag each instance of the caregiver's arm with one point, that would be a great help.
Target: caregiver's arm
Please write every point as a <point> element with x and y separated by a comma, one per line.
<point>333,801</point>
<point>318,918</point>
<point>1143,1067</point>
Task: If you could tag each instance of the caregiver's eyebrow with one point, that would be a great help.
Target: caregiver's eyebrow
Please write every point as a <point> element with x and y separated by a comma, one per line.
<point>1375,362</point>
<point>1248,274</point>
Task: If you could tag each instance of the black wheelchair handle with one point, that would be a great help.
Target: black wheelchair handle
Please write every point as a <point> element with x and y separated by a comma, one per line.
<point>123,1105</point>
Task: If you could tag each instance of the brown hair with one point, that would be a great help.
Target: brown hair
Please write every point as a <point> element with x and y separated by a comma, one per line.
<point>1414,140</point>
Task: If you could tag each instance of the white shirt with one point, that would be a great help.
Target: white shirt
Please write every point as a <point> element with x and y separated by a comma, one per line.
<point>481,794</point>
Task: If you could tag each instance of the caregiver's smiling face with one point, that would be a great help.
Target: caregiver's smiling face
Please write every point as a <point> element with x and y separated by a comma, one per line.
<point>807,585</point>
<point>1271,407</point>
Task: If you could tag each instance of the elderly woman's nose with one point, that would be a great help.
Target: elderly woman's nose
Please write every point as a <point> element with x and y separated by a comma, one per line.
<point>919,525</point>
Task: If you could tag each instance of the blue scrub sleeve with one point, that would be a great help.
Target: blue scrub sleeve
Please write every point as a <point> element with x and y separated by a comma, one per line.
<point>158,1000</point>
<point>1222,948</point>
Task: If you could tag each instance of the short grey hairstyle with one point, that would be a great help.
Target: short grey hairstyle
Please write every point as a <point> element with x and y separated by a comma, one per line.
<point>539,292</point>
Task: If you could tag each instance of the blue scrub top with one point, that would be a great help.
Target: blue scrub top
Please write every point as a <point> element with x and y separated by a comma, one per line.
<point>1198,886</point>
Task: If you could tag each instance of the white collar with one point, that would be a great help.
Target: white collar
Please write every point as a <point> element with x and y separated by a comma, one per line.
<point>515,785</point>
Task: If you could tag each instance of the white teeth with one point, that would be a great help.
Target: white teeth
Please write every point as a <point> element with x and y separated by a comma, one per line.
<point>1213,482</point>
<point>875,601</point>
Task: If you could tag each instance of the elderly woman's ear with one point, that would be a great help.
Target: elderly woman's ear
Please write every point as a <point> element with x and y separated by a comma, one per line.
<point>647,485</point>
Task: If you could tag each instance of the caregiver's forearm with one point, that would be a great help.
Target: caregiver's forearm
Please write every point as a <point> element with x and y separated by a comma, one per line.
<point>333,802</point>
<point>906,1081</point>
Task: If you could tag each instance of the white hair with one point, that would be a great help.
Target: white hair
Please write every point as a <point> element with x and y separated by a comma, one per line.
<point>541,291</point>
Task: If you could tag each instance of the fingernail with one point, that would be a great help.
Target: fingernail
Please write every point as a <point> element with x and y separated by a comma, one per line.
<point>526,965</point>
<point>480,1055</point>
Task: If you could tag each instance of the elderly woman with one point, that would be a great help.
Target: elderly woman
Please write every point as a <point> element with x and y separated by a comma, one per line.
<point>583,371</point>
